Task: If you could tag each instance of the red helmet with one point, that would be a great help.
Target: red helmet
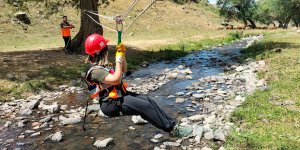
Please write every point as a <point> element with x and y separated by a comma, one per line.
<point>95,43</point>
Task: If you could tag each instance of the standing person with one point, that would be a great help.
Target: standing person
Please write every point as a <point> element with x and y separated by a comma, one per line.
<point>66,33</point>
<point>114,99</point>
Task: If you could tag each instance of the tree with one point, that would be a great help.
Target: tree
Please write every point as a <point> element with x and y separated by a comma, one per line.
<point>243,10</point>
<point>283,12</point>
<point>88,26</point>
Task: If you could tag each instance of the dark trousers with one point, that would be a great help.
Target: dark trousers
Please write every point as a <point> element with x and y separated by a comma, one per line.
<point>139,105</point>
<point>67,40</point>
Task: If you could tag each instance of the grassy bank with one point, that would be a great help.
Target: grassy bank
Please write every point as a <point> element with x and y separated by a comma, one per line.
<point>269,119</point>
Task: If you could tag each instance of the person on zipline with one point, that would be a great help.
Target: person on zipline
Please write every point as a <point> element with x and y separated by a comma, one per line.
<point>66,33</point>
<point>114,100</point>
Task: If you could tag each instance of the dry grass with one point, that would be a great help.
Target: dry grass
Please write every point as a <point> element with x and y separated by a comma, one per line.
<point>164,23</point>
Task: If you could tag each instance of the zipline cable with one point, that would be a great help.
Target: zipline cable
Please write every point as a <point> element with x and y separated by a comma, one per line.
<point>100,23</point>
<point>140,14</point>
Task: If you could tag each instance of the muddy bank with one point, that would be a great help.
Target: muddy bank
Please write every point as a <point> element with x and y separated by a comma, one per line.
<point>201,89</point>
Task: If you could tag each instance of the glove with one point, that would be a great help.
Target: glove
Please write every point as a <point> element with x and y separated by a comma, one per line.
<point>121,48</point>
<point>120,54</point>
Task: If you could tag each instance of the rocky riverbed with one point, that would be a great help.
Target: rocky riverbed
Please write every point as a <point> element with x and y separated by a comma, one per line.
<point>201,89</point>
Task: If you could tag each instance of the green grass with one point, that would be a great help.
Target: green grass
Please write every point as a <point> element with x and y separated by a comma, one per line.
<point>205,43</point>
<point>263,123</point>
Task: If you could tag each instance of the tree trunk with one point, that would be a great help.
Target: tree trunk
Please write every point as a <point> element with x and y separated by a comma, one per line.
<point>87,27</point>
<point>286,22</point>
<point>252,23</point>
<point>280,24</point>
<point>245,23</point>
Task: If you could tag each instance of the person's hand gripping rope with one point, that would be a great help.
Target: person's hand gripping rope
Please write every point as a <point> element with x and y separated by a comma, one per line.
<point>120,54</point>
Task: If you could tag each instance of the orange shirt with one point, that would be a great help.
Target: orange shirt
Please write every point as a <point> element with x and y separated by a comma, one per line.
<point>65,31</point>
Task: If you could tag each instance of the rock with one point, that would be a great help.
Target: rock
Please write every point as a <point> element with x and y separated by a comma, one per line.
<point>179,100</point>
<point>103,143</point>
<point>198,96</point>
<point>18,144</point>
<point>7,124</point>
<point>209,135</point>
<point>21,137</point>
<point>25,112</point>
<point>158,136</point>
<point>211,119</point>
<point>239,98</point>
<point>239,68</point>
<point>188,71</point>
<point>35,134</point>
<point>131,128</point>
<point>198,138</point>
<point>197,130</point>
<point>219,135</point>
<point>196,118</point>
<point>170,96</point>
<point>64,107</point>
<point>71,120</point>
<point>32,104</point>
<point>34,124</point>
<point>138,120</point>
<point>93,108</point>
<point>206,148</point>
<point>9,141</point>
<point>29,131</point>
<point>221,148</point>
<point>56,137</point>
<point>179,93</point>
<point>46,119</point>
<point>172,144</point>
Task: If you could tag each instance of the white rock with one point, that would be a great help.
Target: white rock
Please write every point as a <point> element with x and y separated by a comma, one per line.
<point>170,96</point>
<point>64,107</point>
<point>240,68</point>
<point>172,144</point>
<point>206,148</point>
<point>198,96</point>
<point>32,104</point>
<point>219,135</point>
<point>71,120</point>
<point>158,136</point>
<point>197,130</point>
<point>138,120</point>
<point>35,134</point>
<point>25,112</point>
<point>56,137</point>
<point>46,119</point>
<point>198,138</point>
<point>179,93</point>
<point>179,100</point>
<point>103,143</point>
<point>211,119</point>
<point>7,124</point>
<point>131,128</point>
<point>196,118</point>
<point>209,135</point>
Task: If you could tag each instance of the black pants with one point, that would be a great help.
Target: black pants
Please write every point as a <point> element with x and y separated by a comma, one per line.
<point>67,40</point>
<point>139,105</point>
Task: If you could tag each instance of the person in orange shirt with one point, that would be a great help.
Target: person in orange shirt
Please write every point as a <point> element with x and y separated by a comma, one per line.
<point>66,33</point>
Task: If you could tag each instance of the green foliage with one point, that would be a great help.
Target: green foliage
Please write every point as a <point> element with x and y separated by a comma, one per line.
<point>242,10</point>
<point>236,35</point>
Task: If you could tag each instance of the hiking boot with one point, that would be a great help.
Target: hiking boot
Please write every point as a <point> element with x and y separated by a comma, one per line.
<point>182,131</point>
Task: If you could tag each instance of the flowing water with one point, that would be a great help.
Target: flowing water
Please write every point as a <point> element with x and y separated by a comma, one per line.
<point>202,63</point>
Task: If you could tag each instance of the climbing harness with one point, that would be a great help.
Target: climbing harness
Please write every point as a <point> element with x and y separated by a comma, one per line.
<point>105,92</point>
<point>119,19</point>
